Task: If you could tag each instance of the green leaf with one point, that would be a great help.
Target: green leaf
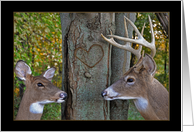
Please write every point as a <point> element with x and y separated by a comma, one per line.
<point>47,36</point>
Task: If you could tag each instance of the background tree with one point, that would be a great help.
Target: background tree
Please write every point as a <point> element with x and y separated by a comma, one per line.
<point>86,64</point>
<point>120,63</point>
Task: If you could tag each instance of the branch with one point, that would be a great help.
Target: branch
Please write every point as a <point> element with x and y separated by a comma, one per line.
<point>163,19</point>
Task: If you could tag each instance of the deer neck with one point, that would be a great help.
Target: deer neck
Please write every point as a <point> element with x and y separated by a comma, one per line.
<point>154,104</point>
<point>24,109</point>
<point>145,108</point>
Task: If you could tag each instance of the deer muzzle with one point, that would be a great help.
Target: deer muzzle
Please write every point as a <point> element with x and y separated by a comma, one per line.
<point>103,93</point>
<point>109,94</point>
<point>63,95</point>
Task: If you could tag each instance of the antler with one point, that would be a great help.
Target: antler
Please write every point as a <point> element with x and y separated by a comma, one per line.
<point>141,41</point>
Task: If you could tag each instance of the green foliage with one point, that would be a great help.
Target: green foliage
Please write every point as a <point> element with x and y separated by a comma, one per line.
<point>133,113</point>
<point>161,43</point>
<point>52,112</point>
<point>38,41</point>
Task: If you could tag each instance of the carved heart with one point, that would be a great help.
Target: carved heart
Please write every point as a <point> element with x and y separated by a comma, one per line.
<point>91,57</point>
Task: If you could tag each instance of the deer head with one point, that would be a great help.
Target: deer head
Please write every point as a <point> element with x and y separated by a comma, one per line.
<point>138,83</point>
<point>39,91</point>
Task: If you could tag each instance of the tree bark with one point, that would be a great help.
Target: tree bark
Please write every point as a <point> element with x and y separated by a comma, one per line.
<point>120,63</point>
<point>86,64</point>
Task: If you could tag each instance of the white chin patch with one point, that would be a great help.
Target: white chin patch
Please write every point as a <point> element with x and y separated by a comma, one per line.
<point>60,100</point>
<point>46,102</point>
<point>141,103</point>
<point>122,98</point>
<point>107,98</point>
<point>126,98</point>
<point>36,108</point>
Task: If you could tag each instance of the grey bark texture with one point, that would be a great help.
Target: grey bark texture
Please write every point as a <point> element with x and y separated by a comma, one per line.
<point>86,67</point>
<point>120,63</point>
<point>88,64</point>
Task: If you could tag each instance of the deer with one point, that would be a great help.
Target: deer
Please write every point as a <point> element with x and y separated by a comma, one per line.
<point>150,97</point>
<point>39,91</point>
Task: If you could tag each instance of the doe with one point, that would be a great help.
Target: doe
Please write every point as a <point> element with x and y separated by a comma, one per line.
<point>39,91</point>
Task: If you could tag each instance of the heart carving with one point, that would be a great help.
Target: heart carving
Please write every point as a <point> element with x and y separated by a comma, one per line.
<point>91,57</point>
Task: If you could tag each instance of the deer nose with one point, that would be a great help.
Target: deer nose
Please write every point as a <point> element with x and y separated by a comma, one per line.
<point>63,95</point>
<point>104,93</point>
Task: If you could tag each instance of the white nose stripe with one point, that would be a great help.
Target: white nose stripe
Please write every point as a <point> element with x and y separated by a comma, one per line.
<point>111,92</point>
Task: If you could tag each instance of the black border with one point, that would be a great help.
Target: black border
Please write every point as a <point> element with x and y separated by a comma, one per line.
<point>7,9</point>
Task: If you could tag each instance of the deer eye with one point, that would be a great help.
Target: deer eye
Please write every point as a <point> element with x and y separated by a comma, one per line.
<point>40,85</point>
<point>130,80</point>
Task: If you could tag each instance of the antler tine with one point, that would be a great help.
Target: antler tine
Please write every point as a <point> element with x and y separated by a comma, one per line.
<point>152,34</point>
<point>136,52</point>
<point>140,39</point>
<point>126,46</point>
<point>126,31</point>
<point>142,29</point>
<point>140,46</point>
<point>114,43</point>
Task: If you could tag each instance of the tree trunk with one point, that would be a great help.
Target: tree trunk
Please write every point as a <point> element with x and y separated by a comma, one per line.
<point>86,64</point>
<point>120,63</point>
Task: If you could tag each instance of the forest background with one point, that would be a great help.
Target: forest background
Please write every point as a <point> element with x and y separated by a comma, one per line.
<point>38,41</point>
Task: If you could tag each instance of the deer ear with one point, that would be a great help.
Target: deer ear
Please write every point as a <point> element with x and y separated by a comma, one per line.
<point>22,69</point>
<point>149,64</point>
<point>139,64</point>
<point>48,74</point>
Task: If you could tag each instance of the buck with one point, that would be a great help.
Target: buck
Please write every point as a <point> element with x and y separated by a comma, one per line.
<point>39,91</point>
<point>138,83</point>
